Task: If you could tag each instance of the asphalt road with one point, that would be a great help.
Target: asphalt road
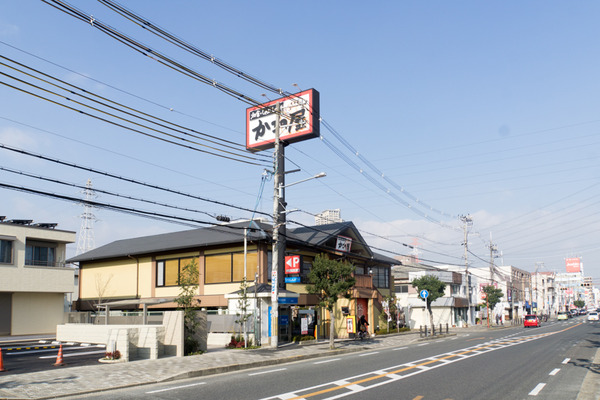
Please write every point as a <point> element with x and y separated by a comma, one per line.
<point>513,363</point>
<point>31,356</point>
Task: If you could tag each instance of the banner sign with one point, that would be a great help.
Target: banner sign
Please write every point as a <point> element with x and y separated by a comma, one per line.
<point>304,326</point>
<point>287,300</point>
<point>573,264</point>
<point>292,279</point>
<point>343,244</point>
<point>350,324</point>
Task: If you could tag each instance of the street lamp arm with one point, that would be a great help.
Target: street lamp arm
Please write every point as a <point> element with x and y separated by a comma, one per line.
<point>317,176</point>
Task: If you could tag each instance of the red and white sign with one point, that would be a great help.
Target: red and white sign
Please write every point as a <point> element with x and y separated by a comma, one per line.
<point>292,264</point>
<point>573,264</point>
<point>343,244</point>
<point>299,120</point>
<point>304,326</point>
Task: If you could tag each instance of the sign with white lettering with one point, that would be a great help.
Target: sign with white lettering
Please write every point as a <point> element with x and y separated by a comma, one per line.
<point>298,120</point>
<point>292,264</point>
<point>343,243</point>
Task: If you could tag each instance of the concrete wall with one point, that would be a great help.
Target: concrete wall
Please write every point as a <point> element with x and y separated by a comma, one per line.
<point>137,341</point>
<point>36,313</point>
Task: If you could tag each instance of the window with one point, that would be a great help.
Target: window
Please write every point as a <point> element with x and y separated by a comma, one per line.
<point>40,254</point>
<point>167,271</point>
<point>456,290</point>
<point>401,289</point>
<point>381,277</point>
<point>305,268</point>
<point>6,247</point>
<point>229,267</point>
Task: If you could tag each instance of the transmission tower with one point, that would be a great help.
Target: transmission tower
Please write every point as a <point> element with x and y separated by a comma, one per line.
<point>85,242</point>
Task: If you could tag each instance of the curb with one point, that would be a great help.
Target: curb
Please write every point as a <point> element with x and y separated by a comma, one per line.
<point>209,371</point>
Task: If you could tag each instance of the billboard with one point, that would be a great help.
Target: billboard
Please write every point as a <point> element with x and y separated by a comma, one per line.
<point>299,120</point>
<point>573,264</point>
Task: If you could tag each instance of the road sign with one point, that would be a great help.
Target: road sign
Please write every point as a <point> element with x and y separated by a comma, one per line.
<point>424,294</point>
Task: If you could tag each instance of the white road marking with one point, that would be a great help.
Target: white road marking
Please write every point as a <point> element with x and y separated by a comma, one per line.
<point>176,387</point>
<point>267,372</point>
<point>400,348</point>
<point>422,344</point>
<point>554,371</point>
<point>327,361</point>
<point>368,354</point>
<point>75,354</point>
<point>537,389</point>
<point>566,360</point>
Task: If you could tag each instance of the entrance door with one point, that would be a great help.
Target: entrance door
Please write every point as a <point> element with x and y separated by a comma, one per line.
<point>362,308</point>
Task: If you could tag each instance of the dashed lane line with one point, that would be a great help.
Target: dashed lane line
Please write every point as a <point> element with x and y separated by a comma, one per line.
<point>536,390</point>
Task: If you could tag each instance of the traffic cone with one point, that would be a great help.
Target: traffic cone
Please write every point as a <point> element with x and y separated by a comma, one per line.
<point>1,361</point>
<point>59,359</point>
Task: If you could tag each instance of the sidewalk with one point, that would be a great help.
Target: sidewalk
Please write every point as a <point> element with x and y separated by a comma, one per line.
<point>68,381</point>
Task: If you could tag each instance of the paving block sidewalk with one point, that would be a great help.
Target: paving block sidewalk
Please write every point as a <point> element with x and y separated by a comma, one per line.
<point>68,381</point>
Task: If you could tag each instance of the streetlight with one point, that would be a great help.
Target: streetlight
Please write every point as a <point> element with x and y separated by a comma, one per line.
<point>317,176</point>
<point>278,256</point>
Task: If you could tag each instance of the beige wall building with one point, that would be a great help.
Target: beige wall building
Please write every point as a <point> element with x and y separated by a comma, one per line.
<point>149,268</point>
<point>33,277</point>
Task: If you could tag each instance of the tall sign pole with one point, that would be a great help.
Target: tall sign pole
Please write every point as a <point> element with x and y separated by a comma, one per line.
<point>300,122</point>
<point>278,258</point>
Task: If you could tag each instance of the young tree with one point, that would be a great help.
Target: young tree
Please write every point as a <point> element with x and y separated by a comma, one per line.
<point>243,305</point>
<point>434,286</point>
<point>188,281</point>
<point>493,295</point>
<point>329,280</point>
<point>579,303</point>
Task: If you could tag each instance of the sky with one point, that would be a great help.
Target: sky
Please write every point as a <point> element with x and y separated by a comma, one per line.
<point>430,111</point>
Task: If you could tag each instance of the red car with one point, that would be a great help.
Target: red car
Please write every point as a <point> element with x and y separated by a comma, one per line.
<point>531,320</point>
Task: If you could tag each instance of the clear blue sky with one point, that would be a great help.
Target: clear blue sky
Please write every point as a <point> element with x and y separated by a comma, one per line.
<point>488,109</point>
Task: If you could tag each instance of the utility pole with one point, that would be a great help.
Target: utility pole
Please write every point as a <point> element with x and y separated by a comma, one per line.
<point>467,223</point>
<point>493,251</point>
<point>279,230</point>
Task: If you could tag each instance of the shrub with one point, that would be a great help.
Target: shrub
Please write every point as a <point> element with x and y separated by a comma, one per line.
<point>109,355</point>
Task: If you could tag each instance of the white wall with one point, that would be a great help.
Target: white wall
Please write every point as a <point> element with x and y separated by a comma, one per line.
<point>36,313</point>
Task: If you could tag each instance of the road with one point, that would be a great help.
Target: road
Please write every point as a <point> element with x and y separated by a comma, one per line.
<point>31,356</point>
<point>513,363</point>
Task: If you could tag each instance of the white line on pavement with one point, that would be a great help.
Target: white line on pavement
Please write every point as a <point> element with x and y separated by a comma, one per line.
<point>176,387</point>
<point>422,344</point>
<point>368,354</point>
<point>267,372</point>
<point>537,389</point>
<point>400,348</point>
<point>83,353</point>
<point>566,360</point>
<point>554,371</point>
<point>327,361</point>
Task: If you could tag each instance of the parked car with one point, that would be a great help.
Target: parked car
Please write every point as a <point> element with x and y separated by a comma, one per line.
<point>531,320</point>
<point>563,315</point>
<point>593,316</point>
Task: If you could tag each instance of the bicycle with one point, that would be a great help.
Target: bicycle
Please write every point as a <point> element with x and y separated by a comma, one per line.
<point>363,334</point>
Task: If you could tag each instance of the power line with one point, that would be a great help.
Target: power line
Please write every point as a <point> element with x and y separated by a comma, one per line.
<point>130,180</point>
<point>242,158</point>
<point>147,51</point>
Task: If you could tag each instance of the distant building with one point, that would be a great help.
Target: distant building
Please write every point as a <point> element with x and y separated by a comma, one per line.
<point>34,279</point>
<point>328,217</point>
